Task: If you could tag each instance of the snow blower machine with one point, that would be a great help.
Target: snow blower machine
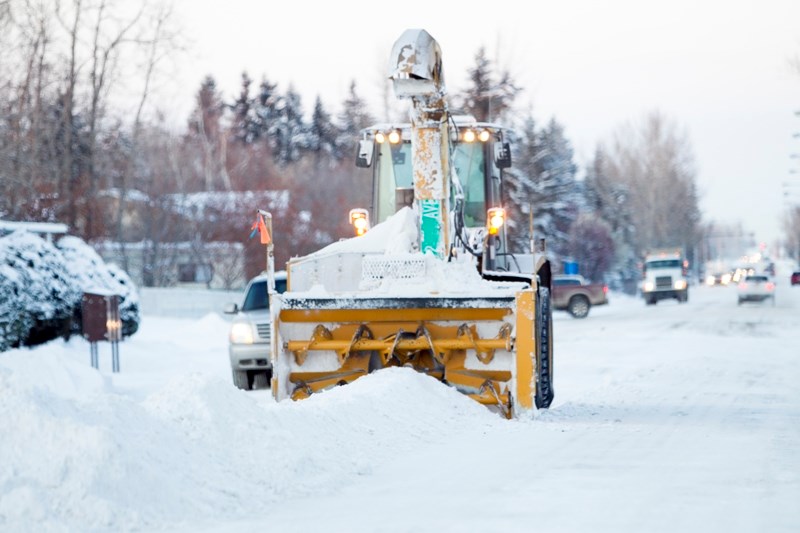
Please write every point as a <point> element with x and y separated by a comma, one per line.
<point>430,285</point>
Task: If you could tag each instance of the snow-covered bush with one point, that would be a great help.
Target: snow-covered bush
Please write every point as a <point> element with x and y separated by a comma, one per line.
<point>39,292</point>
<point>15,322</point>
<point>94,275</point>
<point>41,286</point>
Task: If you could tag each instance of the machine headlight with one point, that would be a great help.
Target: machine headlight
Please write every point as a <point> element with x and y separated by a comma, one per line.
<point>710,280</point>
<point>679,284</point>
<point>359,219</point>
<point>495,218</point>
<point>241,333</point>
<point>648,286</point>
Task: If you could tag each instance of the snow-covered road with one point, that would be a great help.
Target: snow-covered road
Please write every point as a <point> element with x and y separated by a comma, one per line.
<point>668,417</point>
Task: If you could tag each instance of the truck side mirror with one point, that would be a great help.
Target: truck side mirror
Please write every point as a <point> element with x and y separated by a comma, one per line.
<point>502,155</point>
<point>365,153</point>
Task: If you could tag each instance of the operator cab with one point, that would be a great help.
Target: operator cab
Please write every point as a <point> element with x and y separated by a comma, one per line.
<point>479,156</point>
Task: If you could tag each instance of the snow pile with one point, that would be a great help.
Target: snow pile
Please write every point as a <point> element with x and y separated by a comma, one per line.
<point>392,266</point>
<point>396,235</point>
<point>656,406</point>
<point>197,449</point>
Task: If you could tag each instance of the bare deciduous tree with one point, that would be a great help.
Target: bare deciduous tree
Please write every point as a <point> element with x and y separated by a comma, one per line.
<point>654,163</point>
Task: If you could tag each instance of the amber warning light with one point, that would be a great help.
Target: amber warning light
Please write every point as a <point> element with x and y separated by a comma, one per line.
<point>495,218</point>
<point>359,219</point>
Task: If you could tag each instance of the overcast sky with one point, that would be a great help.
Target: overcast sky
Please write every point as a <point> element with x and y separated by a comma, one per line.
<point>719,69</point>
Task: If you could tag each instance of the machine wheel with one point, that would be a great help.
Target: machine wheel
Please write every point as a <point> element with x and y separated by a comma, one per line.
<point>544,342</point>
<point>650,300</point>
<point>261,380</point>
<point>578,306</point>
<point>241,379</point>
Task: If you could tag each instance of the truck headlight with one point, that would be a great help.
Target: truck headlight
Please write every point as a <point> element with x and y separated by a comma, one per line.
<point>241,333</point>
<point>648,286</point>
<point>679,284</point>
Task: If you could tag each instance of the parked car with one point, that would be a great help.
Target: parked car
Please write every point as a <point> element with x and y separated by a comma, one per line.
<point>756,288</point>
<point>249,338</point>
<point>572,293</point>
<point>795,278</point>
<point>718,278</point>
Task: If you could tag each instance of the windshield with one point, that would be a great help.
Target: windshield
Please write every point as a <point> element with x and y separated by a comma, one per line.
<point>395,173</point>
<point>469,166</point>
<point>664,263</point>
<point>256,298</point>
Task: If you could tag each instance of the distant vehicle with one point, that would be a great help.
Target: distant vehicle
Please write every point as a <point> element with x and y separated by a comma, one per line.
<point>756,288</point>
<point>665,276</point>
<point>572,293</point>
<point>250,335</point>
<point>795,278</point>
<point>719,278</point>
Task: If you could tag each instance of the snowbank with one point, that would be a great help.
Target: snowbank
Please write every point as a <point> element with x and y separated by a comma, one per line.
<point>197,448</point>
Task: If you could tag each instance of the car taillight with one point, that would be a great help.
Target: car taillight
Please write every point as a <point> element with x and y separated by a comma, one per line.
<point>743,285</point>
<point>605,289</point>
<point>770,286</point>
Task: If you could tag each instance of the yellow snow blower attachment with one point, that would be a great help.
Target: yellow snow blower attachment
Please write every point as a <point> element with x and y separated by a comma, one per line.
<point>431,284</point>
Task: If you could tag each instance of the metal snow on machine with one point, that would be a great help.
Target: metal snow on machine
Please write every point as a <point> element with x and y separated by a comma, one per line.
<point>431,285</point>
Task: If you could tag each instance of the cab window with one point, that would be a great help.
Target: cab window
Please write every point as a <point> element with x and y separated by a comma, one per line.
<point>469,165</point>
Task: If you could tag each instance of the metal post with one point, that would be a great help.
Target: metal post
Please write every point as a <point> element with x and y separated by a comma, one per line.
<point>114,356</point>
<point>270,253</point>
<point>93,354</point>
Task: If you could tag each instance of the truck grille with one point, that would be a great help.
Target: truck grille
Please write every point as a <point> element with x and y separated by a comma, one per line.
<point>263,331</point>
<point>664,282</point>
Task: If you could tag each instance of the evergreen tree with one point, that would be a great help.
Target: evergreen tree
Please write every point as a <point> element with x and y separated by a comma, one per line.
<point>353,118</point>
<point>543,179</point>
<point>486,98</point>
<point>322,134</point>
<point>267,112</point>
<point>609,200</point>
<point>245,124</point>
<point>291,136</point>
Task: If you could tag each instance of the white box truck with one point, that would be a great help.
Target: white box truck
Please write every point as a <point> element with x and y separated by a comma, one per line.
<point>665,276</point>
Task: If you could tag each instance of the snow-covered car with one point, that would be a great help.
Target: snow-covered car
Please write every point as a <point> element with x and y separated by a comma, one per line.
<point>756,288</point>
<point>249,337</point>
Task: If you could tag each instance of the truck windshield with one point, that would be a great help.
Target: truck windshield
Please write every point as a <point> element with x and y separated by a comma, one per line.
<point>256,297</point>
<point>664,263</point>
